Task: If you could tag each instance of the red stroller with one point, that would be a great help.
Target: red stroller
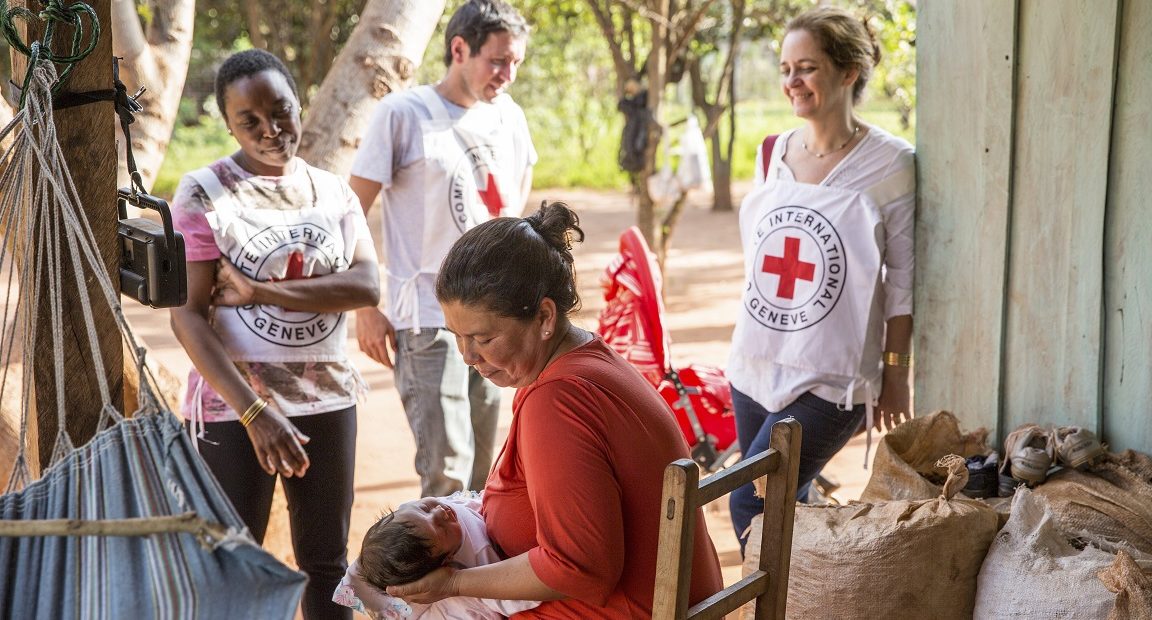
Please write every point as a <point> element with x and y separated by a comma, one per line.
<point>632,323</point>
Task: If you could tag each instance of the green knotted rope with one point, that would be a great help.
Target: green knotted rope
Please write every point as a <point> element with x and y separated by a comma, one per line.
<point>54,12</point>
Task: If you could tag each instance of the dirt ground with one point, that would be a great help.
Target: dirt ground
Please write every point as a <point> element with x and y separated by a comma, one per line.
<point>702,282</point>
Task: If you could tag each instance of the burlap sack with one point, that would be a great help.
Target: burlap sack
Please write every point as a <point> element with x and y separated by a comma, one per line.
<point>1112,499</point>
<point>1132,585</point>
<point>910,452</point>
<point>892,560</point>
<point>1033,571</point>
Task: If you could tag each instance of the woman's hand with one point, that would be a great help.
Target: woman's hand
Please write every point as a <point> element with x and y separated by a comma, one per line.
<point>232,287</point>
<point>894,405</point>
<point>436,585</point>
<point>278,444</point>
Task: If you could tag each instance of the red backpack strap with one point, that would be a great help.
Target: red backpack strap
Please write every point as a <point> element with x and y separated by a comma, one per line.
<point>766,152</point>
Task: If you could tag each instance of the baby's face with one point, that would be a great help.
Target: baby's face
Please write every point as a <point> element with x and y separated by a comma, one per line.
<point>435,521</point>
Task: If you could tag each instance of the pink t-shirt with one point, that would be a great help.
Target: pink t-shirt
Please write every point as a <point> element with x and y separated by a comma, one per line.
<point>294,388</point>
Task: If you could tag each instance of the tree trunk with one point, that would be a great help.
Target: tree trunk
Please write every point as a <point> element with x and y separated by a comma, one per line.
<point>721,176</point>
<point>381,56</point>
<point>6,113</point>
<point>87,136</point>
<point>252,12</point>
<point>155,58</point>
<point>657,73</point>
<point>320,59</point>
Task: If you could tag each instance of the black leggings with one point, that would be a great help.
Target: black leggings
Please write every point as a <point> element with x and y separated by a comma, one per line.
<point>319,504</point>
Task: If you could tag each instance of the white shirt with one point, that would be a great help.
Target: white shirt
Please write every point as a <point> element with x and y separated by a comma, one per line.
<point>878,156</point>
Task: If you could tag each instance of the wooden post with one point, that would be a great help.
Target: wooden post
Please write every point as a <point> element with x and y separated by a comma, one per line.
<point>87,135</point>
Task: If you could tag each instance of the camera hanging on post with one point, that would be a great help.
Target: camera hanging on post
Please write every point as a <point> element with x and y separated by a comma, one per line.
<point>153,270</point>
<point>152,266</point>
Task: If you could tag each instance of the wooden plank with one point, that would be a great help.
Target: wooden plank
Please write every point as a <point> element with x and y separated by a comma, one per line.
<point>674,556</point>
<point>779,518</point>
<point>1060,179</point>
<point>1128,256</point>
<point>731,478</point>
<point>965,59</point>
<point>731,598</point>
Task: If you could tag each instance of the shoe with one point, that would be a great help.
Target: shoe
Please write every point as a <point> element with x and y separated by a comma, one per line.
<point>1076,447</point>
<point>1030,454</point>
<point>1007,486</point>
<point>983,479</point>
<point>825,485</point>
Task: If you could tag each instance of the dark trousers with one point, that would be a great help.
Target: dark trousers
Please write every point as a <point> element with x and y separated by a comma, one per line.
<point>826,429</point>
<point>319,504</point>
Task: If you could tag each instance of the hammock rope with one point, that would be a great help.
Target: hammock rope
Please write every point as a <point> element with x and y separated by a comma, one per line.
<point>57,202</point>
<point>54,13</point>
<point>132,520</point>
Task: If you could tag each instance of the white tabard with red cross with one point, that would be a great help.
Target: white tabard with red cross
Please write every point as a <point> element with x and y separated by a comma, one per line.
<point>469,178</point>
<point>274,244</point>
<point>812,268</point>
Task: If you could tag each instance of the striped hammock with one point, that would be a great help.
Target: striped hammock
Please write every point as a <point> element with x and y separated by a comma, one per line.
<point>131,525</point>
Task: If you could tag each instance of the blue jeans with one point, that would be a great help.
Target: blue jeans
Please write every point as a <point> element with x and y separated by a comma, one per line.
<point>451,410</point>
<point>826,429</point>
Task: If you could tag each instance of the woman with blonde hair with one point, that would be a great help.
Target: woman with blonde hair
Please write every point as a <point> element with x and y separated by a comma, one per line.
<point>824,331</point>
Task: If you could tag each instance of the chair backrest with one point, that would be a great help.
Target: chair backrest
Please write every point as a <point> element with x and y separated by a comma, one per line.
<point>684,493</point>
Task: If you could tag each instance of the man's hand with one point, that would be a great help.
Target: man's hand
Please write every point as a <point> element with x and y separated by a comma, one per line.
<point>376,335</point>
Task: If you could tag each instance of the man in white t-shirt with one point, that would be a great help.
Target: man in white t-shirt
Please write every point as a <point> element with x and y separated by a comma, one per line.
<point>444,158</point>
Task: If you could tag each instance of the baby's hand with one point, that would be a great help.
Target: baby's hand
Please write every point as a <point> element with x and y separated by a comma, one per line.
<point>436,585</point>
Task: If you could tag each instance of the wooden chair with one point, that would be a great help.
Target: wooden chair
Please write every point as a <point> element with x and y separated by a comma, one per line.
<point>684,493</point>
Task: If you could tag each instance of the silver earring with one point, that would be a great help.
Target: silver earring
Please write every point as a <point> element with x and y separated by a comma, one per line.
<point>546,334</point>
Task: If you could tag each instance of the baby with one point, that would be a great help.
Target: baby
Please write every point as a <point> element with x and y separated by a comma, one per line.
<point>414,540</point>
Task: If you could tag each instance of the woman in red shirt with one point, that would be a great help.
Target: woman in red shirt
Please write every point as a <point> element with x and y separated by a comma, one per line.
<point>574,499</point>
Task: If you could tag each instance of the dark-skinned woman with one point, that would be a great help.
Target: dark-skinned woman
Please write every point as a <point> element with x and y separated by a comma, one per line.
<point>277,252</point>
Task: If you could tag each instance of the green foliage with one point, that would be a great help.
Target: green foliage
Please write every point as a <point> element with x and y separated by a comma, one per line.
<point>192,146</point>
<point>567,84</point>
<point>567,89</point>
<point>895,76</point>
<point>305,35</point>
<point>757,119</point>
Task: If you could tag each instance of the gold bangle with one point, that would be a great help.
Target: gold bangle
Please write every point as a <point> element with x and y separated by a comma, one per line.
<point>253,410</point>
<point>903,360</point>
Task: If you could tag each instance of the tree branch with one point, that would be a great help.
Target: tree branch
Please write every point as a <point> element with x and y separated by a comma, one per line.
<point>207,531</point>
<point>624,68</point>
<point>686,29</point>
<point>128,40</point>
<point>734,34</point>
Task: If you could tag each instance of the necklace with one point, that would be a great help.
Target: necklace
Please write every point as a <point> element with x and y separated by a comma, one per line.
<point>839,148</point>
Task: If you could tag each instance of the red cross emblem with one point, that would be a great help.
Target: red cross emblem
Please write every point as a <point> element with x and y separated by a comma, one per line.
<point>789,268</point>
<point>295,270</point>
<point>491,197</point>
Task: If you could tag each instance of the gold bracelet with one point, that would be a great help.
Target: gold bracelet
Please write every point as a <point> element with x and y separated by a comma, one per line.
<point>903,360</point>
<point>253,410</point>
